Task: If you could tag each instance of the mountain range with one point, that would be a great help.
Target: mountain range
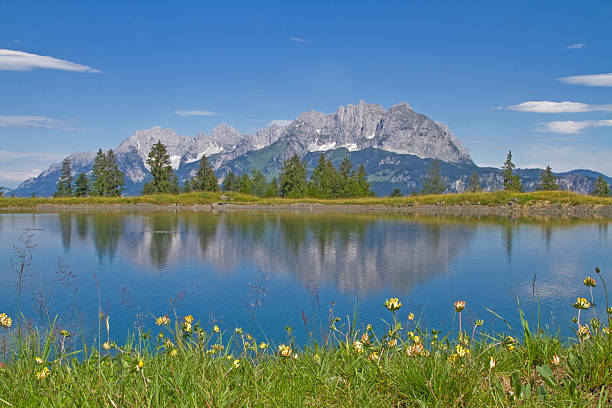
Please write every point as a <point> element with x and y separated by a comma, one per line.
<point>396,146</point>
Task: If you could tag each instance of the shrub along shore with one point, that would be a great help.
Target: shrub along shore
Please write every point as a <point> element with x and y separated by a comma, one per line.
<point>186,363</point>
<point>558,199</point>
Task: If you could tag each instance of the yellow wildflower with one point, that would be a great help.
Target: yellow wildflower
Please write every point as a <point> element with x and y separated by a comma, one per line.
<point>169,343</point>
<point>582,303</point>
<point>374,356</point>
<point>65,333</point>
<point>106,345</point>
<point>189,319</point>
<point>238,330</point>
<point>411,316</point>
<point>216,329</point>
<point>263,345</point>
<point>358,347</point>
<point>187,327</point>
<point>249,337</point>
<point>369,328</point>
<point>285,351</point>
<point>44,373</point>
<point>590,282</point>
<point>174,352</point>
<point>140,365</point>
<point>236,363</point>
<point>605,330</point>
<point>415,350</point>
<point>459,305</point>
<point>5,321</point>
<point>38,360</point>
<point>461,351</point>
<point>492,362</point>
<point>393,304</point>
<point>452,358</point>
<point>584,332</point>
<point>162,320</point>
<point>416,339</point>
<point>509,343</point>
<point>555,360</point>
<point>317,358</point>
<point>479,322</point>
<point>392,342</point>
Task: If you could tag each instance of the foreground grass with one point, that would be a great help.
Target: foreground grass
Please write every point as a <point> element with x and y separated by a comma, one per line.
<point>186,365</point>
<point>496,198</point>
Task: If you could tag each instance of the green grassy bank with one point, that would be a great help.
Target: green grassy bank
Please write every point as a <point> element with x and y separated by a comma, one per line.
<point>496,198</point>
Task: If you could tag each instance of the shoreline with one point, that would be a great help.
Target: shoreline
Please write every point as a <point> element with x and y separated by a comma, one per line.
<point>510,210</point>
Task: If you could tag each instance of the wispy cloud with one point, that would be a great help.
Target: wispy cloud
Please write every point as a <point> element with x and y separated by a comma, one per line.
<point>34,122</point>
<point>558,107</point>
<point>16,167</point>
<point>576,46</point>
<point>589,80</point>
<point>571,126</point>
<point>195,112</point>
<point>298,39</point>
<point>279,122</point>
<point>11,60</point>
<point>31,156</point>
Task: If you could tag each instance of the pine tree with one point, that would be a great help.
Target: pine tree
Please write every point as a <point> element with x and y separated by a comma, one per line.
<point>512,182</point>
<point>364,188</point>
<point>475,184</point>
<point>548,181</point>
<point>99,180</point>
<point>231,182</point>
<point>114,176</point>
<point>324,181</point>
<point>64,184</point>
<point>81,186</point>
<point>272,189</point>
<point>602,189</point>
<point>204,179</point>
<point>433,183</point>
<point>258,182</point>
<point>293,178</point>
<point>246,185</point>
<point>164,179</point>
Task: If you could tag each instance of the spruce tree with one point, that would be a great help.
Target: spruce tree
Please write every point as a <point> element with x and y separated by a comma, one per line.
<point>602,189</point>
<point>164,179</point>
<point>246,185</point>
<point>364,187</point>
<point>81,186</point>
<point>433,183</point>
<point>204,179</point>
<point>114,176</point>
<point>512,182</point>
<point>324,180</point>
<point>258,182</point>
<point>64,184</point>
<point>99,180</point>
<point>231,182</point>
<point>293,178</point>
<point>272,189</point>
<point>475,184</point>
<point>548,181</point>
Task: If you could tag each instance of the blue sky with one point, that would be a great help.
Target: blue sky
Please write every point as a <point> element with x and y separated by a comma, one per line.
<point>486,69</point>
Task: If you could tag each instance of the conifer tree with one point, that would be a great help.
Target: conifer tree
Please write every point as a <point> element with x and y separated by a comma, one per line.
<point>364,187</point>
<point>64,184</point>
<point>204,179</point>
<point>548,181</point>
<point>81,186</point>
<point>231,182</point>
<point>433,183</point>
<point>272,189</point>
<point>99,175</point>
<point>114,176</point>
<point>512,182</point>
<point>475,184</point>
<point>246,185</point>
<point>293,178</point>
<point>258,183</point>
<point>164,179</point>
<point>324,181</point>
<point>602,189</point>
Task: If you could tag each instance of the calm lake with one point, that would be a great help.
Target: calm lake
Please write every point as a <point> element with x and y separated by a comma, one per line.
<point>264,271</point>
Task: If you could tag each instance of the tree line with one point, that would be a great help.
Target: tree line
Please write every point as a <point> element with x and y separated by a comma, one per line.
<point>326,181</point>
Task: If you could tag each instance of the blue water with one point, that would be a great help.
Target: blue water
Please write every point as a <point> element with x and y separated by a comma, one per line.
<point>266,271</point>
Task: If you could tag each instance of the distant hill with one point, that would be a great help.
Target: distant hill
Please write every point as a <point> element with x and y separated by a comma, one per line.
<point>396,146</point>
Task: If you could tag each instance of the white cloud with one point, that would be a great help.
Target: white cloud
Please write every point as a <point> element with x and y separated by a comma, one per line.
<point>11,178</point>
<point>564,157</point>
<point>576,46</point>
<point>34,122</point>
<point>11,60</point>
<point>279,122</point>
<point>16,167</point>
<point>558,107</point>
<point>195,112</point>
<point>572,127</point>
<point>298,39</point>
<point>589,80</point>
